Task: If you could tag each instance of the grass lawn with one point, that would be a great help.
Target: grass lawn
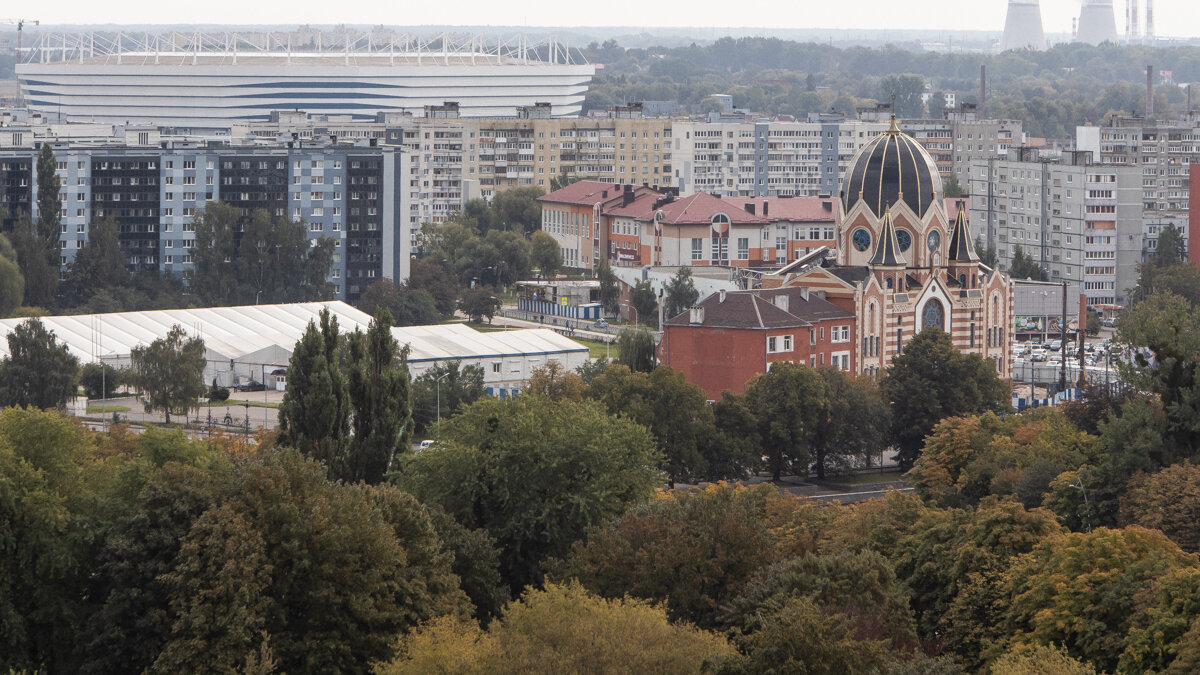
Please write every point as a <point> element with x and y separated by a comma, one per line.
<point>598,349</point>
<point>238,403</point>
<point>102,409</point>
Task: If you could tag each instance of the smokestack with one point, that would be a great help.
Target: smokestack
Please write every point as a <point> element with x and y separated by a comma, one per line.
<point>1149,21</point>
<point>1131,21</point>
<point>1149,91</point>
<point>982,90</point>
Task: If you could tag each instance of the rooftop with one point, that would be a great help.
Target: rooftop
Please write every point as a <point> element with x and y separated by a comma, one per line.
<point>763,309</point>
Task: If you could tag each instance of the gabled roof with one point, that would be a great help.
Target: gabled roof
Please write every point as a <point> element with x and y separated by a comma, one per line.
<point>758,310</point>
<point>590,193</point>
<point>699,209</point>
<point>962,250</point>
<point>641,208</point>
<point>793,209</point>
<point>887,249</point>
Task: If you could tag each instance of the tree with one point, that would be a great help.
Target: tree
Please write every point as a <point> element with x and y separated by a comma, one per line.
<point>987,252</point>
<point>432,278</point>
<point>562,180</point>
<point>930,381</point>
<point>443,390</point>
<point>1172,248</point>
<point>674,410</point>
<point>610,294</point>
<point>314,417</point>
<point>479,302</point>
<point>39,272</point>
<point>99,266</point>
<point>49,187</point>
<point>39,371</point>
<point>379,394</point>
<point>1079,589</point>
<point>636,349</point>
<point>1167,501</point>
<point>1039,660</point>
<point>169,372</point>
<point>1023,266</point>
<point>544,254</point>
<point>571,463</point>
<point>407,306</point>
<point>517,209</point>
<point>12,284</point>
<point>679,293</point>
<point>789,400</point>
<point>953,189</point>
<point>905,92</point>
<point>552,381</point>
<point>244,260</point>
<point>561,629</point>
<point>100,381</point>
<point>645,303</point>
<point>855,428</point>
<point>693,550</point>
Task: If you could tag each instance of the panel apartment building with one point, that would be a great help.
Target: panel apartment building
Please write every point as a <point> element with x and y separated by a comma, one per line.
<point>354,194</point>
<point>1082,222</point>
<point>1162,151</point>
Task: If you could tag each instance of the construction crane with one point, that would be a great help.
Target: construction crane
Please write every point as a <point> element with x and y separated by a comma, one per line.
<point>20,24</point>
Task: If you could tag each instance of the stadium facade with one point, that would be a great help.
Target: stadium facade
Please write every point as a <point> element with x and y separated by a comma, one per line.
<point>203,81</point>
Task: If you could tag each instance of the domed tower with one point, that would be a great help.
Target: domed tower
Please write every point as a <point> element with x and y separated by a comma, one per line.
<point>892,172</point>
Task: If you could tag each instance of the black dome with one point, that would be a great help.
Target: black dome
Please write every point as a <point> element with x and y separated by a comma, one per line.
<point>890,165</point>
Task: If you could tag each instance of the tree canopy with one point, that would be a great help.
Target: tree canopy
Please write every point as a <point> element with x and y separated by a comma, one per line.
<point>39,371</point>
<point>169,372</point>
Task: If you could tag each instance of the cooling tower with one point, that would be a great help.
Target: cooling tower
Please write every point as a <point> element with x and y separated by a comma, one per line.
<point>1097,22</point>
<point>1023,26</point>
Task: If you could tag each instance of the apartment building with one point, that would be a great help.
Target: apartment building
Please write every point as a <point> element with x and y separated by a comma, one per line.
<point>765,158</point>
<point>1082,222</point>
<point>1163,151</point>
<point>352,194</point>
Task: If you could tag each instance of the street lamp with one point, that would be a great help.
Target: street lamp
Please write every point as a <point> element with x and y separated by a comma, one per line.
<point>439,402</point>
<point>1087,514</point>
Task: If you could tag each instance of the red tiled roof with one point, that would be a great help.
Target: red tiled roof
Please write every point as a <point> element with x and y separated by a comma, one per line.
<point>699,209</point>
<point>952,207</point>
<point>641,208</point>
<point>589,193</point>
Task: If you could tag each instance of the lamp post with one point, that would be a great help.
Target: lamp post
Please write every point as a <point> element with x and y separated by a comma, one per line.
<point>1062,372</point>
<point>439,402</point>
<point>1087,513</point>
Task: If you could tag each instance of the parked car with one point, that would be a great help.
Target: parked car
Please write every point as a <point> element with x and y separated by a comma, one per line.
<point>601,323</point>
<point>252,385</point>
<point>1037,357</point>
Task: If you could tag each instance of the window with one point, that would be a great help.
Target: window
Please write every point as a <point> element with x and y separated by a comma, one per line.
<point>697,249</point>
<point>743,250</point>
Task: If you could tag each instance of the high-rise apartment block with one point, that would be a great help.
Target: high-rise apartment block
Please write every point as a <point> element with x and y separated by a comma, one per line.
<point>1080,221</point>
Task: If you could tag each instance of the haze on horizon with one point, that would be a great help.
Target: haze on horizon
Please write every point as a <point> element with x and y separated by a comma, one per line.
<point>1172,18</point>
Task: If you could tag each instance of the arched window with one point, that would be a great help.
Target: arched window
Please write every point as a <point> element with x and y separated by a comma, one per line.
<point>934,315</point>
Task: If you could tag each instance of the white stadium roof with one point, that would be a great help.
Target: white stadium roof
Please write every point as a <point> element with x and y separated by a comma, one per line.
<point>267,333</point>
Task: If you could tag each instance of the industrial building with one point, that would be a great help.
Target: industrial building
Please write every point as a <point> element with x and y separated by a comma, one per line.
<point>248,343</point>
<point>209,80</point>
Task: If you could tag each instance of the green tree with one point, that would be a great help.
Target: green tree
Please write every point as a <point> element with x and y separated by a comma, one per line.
<point>561,629</point>
<point>953,189</point>
<point>610,293</point>
<point>1167,501</point>
<point>38,266</point>
<point>562,180</point>
<point>636,349</point>
<point>789,401</point>
<point>407,306</point>
<point>1079,590</point>
<point>930,381</point>
<point>693,550</point>
<point>432,278</point>
<point>476,564</point>
<point>673,409</point>
<point>99,266</point>
<point>169,372</point>
<point>905,92</point>
<point>571,464</point>
<point>12,284</point>
<point>479,302</point>
<point>544,254</point>
<point>101,381</point>
<point>987,252</point>
<point>1039,660</point>
<point>1180,278</point>
<point>443,390</point>
<point>1023,266</point>
<point>49,202</point>
<point>314,417</point>
<point>518,209</point>
<point>39,371</point>
<point>1172,248</point>
<point>553,381</point>
<point>855,429</point>
<point>379,395</point>
<point>645,303</point>
<point>679,293</point>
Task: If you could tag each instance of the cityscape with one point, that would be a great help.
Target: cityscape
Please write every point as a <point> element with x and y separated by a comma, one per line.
<point>864,342</point>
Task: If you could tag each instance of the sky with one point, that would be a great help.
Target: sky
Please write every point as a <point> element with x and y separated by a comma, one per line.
<point>1172,17</point>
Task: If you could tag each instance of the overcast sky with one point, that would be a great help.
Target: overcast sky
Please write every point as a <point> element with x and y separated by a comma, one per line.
<point>1172,17</point>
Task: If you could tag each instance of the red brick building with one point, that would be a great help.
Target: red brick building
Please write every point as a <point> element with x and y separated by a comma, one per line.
<point>728,338</point>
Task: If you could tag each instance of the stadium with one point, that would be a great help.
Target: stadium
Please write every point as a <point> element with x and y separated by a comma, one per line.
<point>212,79</point>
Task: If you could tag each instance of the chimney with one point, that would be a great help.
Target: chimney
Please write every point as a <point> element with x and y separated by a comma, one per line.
<point>1149,91</point>
<point>781,301</point>
<point>766,206</point>
<point>750,208</point>
<point>828,206</point>
<point>721,295</point>
<point>804,293</point>
<point>627,197</point>
<point>982,88</point>
<point>696,314</point>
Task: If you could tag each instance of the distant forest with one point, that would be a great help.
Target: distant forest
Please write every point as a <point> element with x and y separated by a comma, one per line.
<point>1050,91</point>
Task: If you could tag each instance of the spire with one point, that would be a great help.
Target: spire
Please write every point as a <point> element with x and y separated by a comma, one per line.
<point>895,126</point>
<point>887,249</point>
<point>961,248</point>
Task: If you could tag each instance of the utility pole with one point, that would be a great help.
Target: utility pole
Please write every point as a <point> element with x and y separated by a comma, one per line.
<point>1062,374</point>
